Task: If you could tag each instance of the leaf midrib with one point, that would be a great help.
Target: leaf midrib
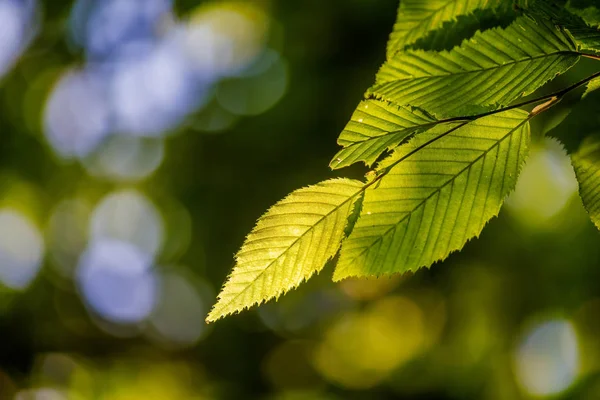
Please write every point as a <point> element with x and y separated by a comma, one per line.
<point>417,130</point>
<point>397,131</point>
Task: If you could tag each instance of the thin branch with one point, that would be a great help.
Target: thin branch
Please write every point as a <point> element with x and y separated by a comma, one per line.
<point>558,95</point>
<point>551,100</point>
<point>435,139</point>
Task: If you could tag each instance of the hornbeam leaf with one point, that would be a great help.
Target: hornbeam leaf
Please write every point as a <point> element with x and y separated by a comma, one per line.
<point>590,14</point>
<point>375,127</point>
<point>495,67</point>
<point>592,86</point>
<point>586,36</point>
<point>417,18</point>
<point>291,242</point>
<point>586,162</point>
<point>453,33</point>
<point>435,193</point>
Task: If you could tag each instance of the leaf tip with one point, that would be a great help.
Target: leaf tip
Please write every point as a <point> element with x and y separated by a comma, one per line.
<point>215,313</point>
<point>338,277</point>
<point>210,319</point>
<point>336,163</point>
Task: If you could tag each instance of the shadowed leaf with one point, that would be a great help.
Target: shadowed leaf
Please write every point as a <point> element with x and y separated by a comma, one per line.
<point>586,163</point>
<point>416,18</point>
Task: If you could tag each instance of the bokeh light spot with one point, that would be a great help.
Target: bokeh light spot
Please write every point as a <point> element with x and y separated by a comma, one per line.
<point>67,233</point>
<point>77,115</point>
<point>253,94</point>
<point>126,158</point>
<point>58,369</point>
<point>547,359</point>
<point>21,249</point>
<point>180,311</point>
<point>117,281</point>
<point>369,288</point>
<point>42,394</point>
<point>18,26</point>
<point>361,349</point>
<point>224,38</point>
<point>545,185</point>
<point>153,90</point>
<point>130,217</point>
<point>103,26</point>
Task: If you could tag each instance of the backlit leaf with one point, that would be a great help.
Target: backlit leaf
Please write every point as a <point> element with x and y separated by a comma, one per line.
<point>375,127</point>
<point>291,242</point>
<point>416,18</point>
<point>438,191</point>
<point>495,67</point>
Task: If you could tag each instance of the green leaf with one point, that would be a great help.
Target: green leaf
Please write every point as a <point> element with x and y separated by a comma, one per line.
<point>416,18</point>
<point>436,192</point>
<point>453,33</point>
<point>585,36</point>
<point>291,242</point>
<point>495,67</point>
<point>590,14</point>
<point>375,127</point>
<point>592,86</point>
<point>586,163</point>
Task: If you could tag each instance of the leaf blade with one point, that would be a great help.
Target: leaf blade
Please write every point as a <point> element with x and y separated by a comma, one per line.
<point>417,18</point>
<point>429,203</point>
<point>374,127</point>
<point>586,35</point>
<point>591,87</point>
<point>590,14</point>
<point>277,255</point>
<point>586,162</point>
<point>453,33</point>
<point>495,67</point>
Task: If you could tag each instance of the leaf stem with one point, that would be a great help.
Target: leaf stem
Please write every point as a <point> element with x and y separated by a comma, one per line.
<point>592,56</point>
